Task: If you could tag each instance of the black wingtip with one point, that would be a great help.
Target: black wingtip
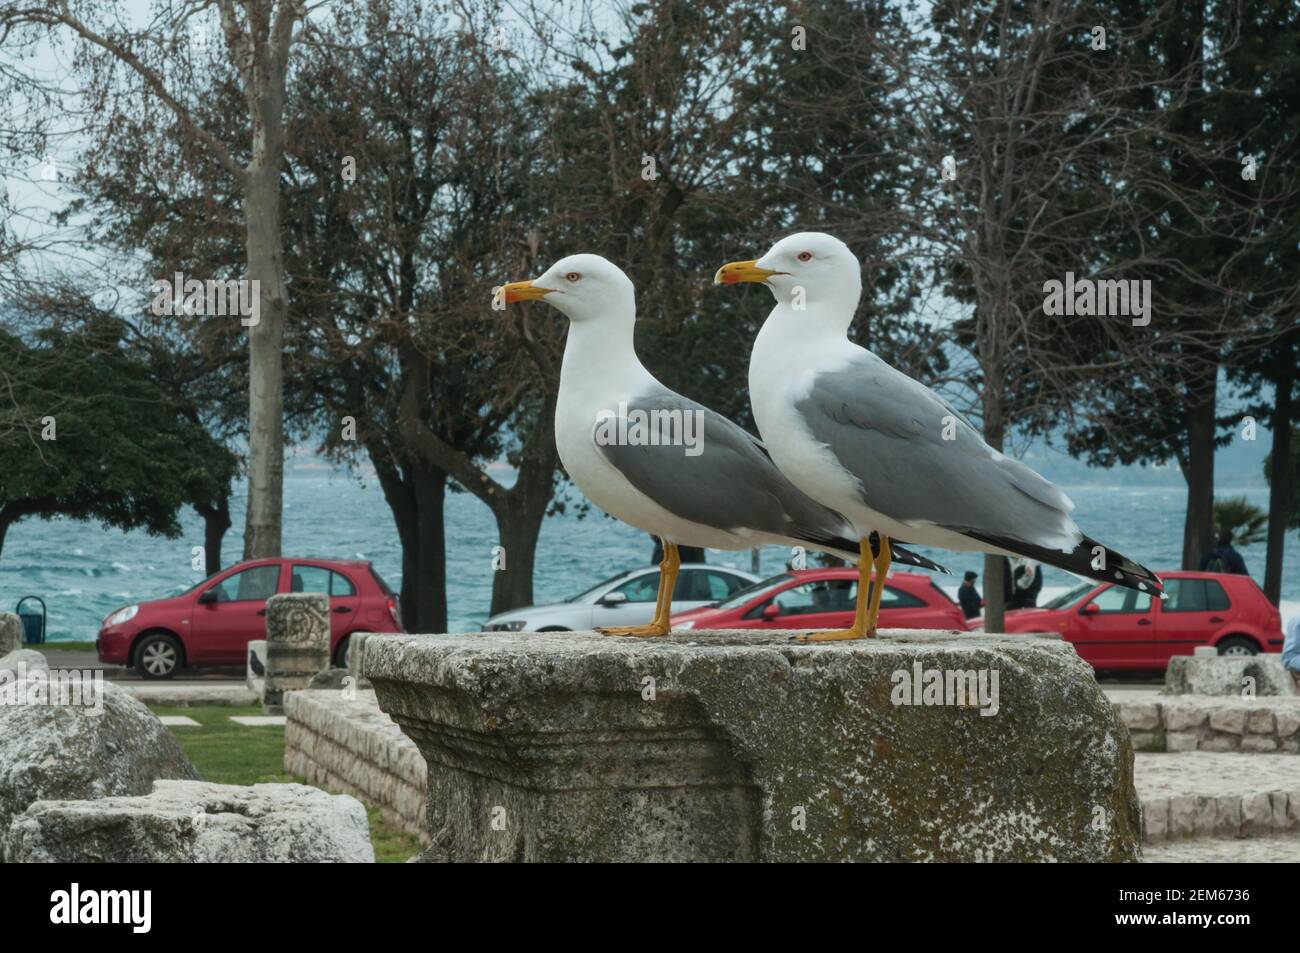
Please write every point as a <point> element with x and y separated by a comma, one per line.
<point>900,554</point>
<point>1084,561</point>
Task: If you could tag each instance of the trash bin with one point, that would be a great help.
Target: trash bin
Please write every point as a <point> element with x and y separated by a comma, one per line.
<point>33,621</point>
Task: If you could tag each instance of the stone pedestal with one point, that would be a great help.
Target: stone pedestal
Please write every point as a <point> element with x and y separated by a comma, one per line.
<point>743,746</point>
<point>297,645</point>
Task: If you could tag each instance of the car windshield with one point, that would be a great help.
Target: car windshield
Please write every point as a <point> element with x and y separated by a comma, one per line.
<point>1065,598</point>
<point>749,592</point>
<point>600,585</point>
<point>188,590</point>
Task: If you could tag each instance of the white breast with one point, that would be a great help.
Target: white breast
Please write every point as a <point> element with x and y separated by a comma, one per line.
<point>593,384</point>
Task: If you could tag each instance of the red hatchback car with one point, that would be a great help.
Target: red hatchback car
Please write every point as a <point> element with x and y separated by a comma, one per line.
<point>1113,627</point>
<point>824,599</point>
<point>213,622</point>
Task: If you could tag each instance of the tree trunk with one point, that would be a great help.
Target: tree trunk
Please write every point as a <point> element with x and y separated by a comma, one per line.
<point>262,524</point>
<point>430,590</point>
<point>416,498</point>
<point>994,406</point>
<point>216,520</point>
<point>519,523</point>
<point>1198,524</point>
<point>1279,476</point>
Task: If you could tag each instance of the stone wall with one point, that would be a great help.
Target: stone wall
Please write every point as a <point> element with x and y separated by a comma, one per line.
<point>341,741</point>
<point>1206,794</point>
<point>1268,725</point>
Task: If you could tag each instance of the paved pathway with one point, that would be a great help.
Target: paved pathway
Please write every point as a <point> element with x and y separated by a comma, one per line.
<point>1213,850</point>
<point>1213,774</point>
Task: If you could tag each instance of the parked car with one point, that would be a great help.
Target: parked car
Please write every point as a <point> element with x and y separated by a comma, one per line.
<point>1113,627</point>
<point>824,599</point>
<point>213,622</point>
<point>625,599</point>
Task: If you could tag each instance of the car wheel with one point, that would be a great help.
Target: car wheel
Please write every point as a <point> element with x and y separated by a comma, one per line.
<point>341,653</point>
<point>1238,645</point>
<point>157,656</point>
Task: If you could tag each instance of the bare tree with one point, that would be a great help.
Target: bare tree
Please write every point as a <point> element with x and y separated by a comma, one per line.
<point>126,69</point>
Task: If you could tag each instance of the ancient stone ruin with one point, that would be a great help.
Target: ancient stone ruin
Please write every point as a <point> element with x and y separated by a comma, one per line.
<point>741,746</point>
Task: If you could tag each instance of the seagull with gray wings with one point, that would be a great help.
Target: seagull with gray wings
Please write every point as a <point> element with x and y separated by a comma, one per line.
<point>883,449</point>
<point>660,461</point>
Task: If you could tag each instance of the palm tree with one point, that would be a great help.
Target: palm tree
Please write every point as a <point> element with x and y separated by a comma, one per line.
<point>1242,519</point>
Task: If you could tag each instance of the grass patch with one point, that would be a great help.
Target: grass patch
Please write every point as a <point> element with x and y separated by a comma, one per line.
<point>392,846</point>
<point>63,646</point>
<point>228,753</point>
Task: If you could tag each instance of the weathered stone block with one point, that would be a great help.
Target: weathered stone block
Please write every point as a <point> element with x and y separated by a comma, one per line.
<point>197,822</point>
<point>1227,821</point>
<point>108,744</point>
<point>1139,716</point>
<point>1207,816</point>
<point>1256,814</point>
<point>1222,741</point>
<point>1232,720</point>
<point>1227,675</point>
<point>1279,800</point>
<point>745,746</point>
<point>1258,743</point>
<point>1184,717</point>
<point>1288,723</point>
<point>1155,819</point>
<point>1260,722</point>
<point>1181,741</point>
<point>11,633</point>
<point>297,644</point>
<point>21,661</point>
<point>356,656</point>
<point>1182,816</point>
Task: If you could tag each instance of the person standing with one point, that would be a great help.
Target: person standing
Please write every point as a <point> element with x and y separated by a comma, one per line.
<point>1029,582</point>
<point>1223,558</point>
<point>968,596</point>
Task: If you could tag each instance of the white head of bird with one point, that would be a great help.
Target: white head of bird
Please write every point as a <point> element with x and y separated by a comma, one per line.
<point>813,276</point>
<point>583,287</point>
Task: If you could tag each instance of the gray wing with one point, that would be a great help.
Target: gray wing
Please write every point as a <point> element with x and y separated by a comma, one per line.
<point>730,484</point>
<point>919,461</point>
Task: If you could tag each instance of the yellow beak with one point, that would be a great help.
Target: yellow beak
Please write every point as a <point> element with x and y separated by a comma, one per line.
<point>523,291</point>
<point>737,271</point>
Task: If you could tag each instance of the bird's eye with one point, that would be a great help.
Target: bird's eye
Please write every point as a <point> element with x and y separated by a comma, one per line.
<point>572,276</point>
<point>804,256</point>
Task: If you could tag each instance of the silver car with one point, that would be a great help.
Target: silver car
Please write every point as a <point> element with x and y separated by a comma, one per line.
<point>626,599</point>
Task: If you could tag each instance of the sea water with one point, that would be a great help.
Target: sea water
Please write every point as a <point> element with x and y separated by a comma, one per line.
<point>84,571</point>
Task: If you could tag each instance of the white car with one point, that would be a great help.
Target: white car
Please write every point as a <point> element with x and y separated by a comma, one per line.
<point>626,599</point>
